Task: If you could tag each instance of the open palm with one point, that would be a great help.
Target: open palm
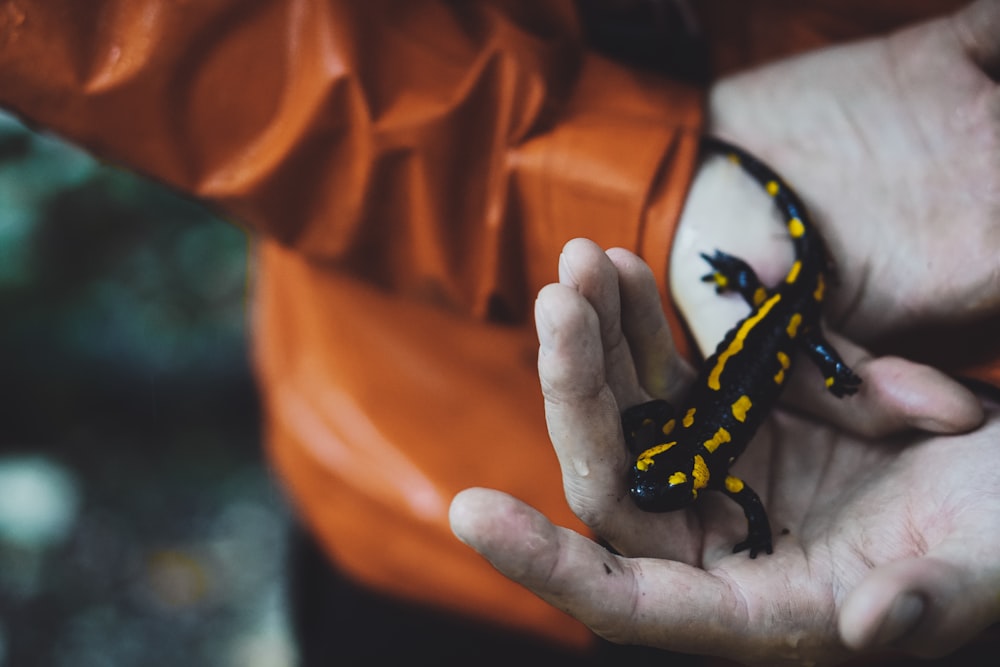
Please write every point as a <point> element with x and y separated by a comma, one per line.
<point>881,539</point>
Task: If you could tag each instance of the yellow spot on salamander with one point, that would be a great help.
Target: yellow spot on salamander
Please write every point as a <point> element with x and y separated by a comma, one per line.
<point>793,325</point>
<point>829,382</point>
<point>785,363</point>
<point>720,280</point>
<point>772,188</point>
<point>677,478</point>
<point>648,457</point>
<point>820,288</point>
<point>793,273</point>
<point>700,473</point>
<point>734,158</point>
<point>738,339</point>
<point>796,228</point>
<point>721,436</point>
<point>741,407</point>
<point>759,295</point>
<point>669,426</point>
<point>734,484</point>
<point>689,418</point>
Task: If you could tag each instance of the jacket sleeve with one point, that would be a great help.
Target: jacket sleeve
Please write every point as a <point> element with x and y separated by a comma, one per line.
<point>446,149</point>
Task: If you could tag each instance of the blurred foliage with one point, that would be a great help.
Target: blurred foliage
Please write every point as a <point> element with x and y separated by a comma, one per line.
<point>123,363</point>
<point>113,279</point>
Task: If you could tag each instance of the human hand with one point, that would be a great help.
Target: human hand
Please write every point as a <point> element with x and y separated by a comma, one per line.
<point>894,143</point>
<point>888,544</point>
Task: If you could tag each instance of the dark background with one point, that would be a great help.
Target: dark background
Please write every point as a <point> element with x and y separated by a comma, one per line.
<point>138,522</point>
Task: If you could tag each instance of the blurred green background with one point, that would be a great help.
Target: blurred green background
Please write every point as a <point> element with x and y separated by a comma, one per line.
<point>138,523</point>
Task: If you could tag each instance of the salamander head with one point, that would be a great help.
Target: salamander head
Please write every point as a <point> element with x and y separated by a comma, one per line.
<point>663,479</point>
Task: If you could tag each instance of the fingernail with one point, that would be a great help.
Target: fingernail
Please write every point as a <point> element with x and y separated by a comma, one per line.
<point>903,617</point>
<point>566,274</point>
<point>542,326</point>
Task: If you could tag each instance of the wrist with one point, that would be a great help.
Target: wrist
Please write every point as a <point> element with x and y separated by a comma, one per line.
<point>724,210</point>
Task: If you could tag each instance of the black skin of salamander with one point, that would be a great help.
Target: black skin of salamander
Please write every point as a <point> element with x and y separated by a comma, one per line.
<point>755,373</point>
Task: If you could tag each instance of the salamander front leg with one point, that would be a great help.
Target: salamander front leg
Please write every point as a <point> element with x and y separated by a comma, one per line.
<point>732,274</point>
<point>646,424</point>
<point>758,528</point>
<point>840,379</point>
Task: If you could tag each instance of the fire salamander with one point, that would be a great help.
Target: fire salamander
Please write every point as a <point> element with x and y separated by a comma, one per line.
<point>679,453</point>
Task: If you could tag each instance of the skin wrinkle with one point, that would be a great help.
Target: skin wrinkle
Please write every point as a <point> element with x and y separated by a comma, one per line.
<point>739,621</point>
<point>550,575</point>
<point>609,325</point>
<point>914,535</point>
<point>836,593</point>
<point>536,545</point>
<point>637,621</point>
<point>607,626</point>
<point>618,348</point>
<point>809,519</point>
<point>741,603</point>
<point>838,590</point>
<point>663,375</point>
<point>886,53</point>
<point>667,380</point>
<point>614,342</point>
<point>589,515</point>
<point>799,649</point>
<point>575,495</point>
<point>923,135</point>
<point>893,66</point>
<point>633,616</point>
<point>560,381</point>
<point>847,112</point>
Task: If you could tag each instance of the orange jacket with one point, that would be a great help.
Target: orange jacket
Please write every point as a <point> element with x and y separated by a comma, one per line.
<point>412,169</point>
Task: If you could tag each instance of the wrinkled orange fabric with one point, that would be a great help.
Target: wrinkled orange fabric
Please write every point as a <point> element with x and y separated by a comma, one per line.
<point>412,170</point>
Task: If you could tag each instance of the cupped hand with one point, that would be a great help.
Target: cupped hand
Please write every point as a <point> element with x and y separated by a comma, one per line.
<point>894,144</point>
<point>877,544</point>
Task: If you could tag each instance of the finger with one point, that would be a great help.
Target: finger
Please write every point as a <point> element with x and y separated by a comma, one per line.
<point>652,602</point>
<point>661,370</point>
<point>583,418</point>
<point>895,395</point>
<point>580,408</point>
<point>925,606</point>
<point>584,266</point>
<point>978,28</point>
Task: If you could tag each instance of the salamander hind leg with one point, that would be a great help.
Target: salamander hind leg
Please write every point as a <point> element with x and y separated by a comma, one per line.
<point>840,379</point>
<point>732,274</point>
<point>758,527</point>
<point>645,425</point>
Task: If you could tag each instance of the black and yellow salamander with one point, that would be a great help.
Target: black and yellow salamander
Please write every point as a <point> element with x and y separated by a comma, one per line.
<point>679,453</point>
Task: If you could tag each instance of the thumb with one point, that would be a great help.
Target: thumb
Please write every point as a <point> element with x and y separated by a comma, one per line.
<point>897,394</point>
<point>658,603</point>
<point>925,606</point>
<point>562,567</point>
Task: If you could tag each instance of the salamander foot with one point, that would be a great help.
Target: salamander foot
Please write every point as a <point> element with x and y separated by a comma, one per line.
<point>756,544</point>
